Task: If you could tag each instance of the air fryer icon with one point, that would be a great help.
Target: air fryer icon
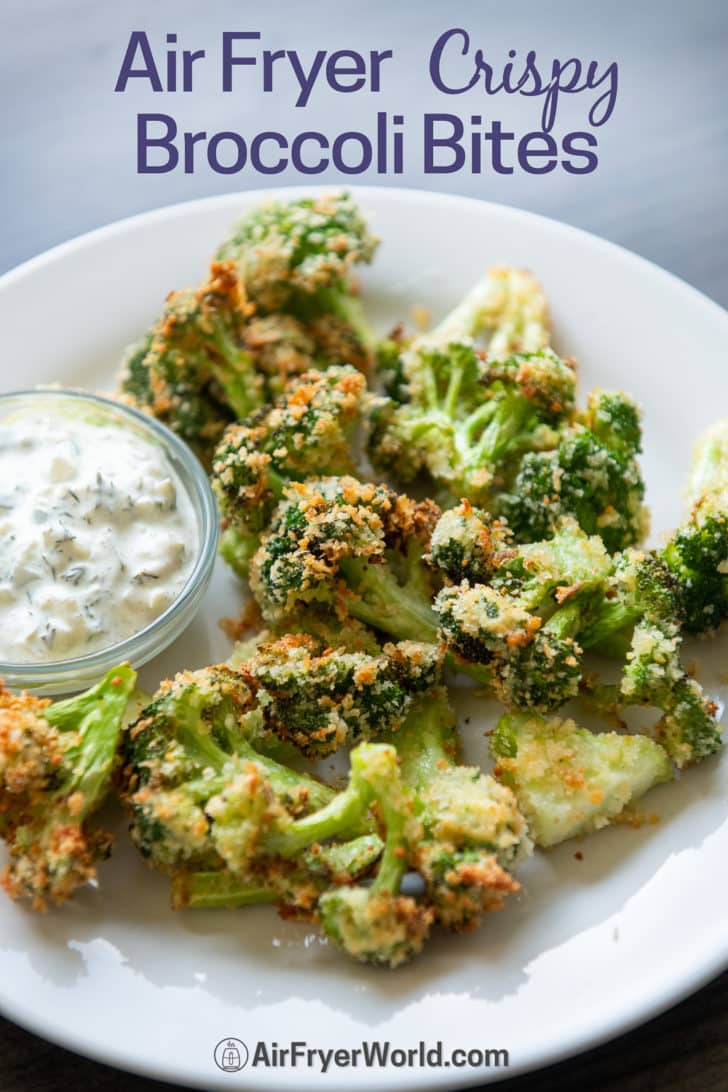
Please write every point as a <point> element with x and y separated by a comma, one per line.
<point>231,1055</point>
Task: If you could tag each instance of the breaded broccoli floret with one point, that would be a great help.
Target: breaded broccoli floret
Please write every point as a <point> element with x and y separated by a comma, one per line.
<point>639,621</point>
<point>306,433</point>
<point>654,675</point>
<point>697,553</point>
<point>283,347</point>
<point>378,924</point>
<point>591,474</point>
<point>297,257</point>
<point>465,543</point>
<point>294,886</point>
<point>473,833</point>
<point>569,781</point>
<point>320,697</point>
<point>524,623</point>
<point>191,370</point>
<point>199,791</point>
<point>504,313</point>
<point>355,547</point>
<point>56,761</point>
<point>287,249</point>
<point>465,419</point>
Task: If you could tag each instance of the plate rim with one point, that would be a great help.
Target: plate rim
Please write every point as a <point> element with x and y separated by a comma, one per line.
<point>651,1003</point>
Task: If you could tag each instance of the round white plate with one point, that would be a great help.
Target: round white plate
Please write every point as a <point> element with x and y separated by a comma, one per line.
<point>590,947</point>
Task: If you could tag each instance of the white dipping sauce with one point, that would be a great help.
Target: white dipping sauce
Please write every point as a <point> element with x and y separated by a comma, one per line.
<point>97,535</point>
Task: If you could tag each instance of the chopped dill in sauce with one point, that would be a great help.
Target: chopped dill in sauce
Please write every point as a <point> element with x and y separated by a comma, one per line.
<point>97,536</point>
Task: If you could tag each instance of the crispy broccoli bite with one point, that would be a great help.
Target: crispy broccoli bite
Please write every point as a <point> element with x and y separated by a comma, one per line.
<point>357,548</point>
<point>654,676</point>
<point>473,833</point>
<point>465,420</point>
<point>697,553</point>
<point>320,697</point>
<point>199,792</point>
<point>525,622</point>
<point>465,543</point>
<point>283,347</point>
<point>504,313</point>
<point>569,781</point>
<point>378,924</point>
<point>290,249</point>
<point>56,763</point>
<point>297,257</point>
<point>191,370</point>
<point>591,474</point>
<point>294,887</point>
<point>306,433</point>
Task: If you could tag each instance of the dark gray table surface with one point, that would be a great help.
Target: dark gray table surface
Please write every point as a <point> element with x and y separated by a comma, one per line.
<point>661,189</point>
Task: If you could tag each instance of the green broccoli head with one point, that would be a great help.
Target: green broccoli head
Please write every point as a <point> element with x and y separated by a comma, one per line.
<point>56,762</point>
<point>473,834</point>
<point>654,676</point>
<point>286,249</point>
<point>592,477</point>
<point>357,548</point>
<point>320,697</point>
<point>525,622</point>
<point>306,433</point>
<point>199,793</point>
<point>465,543</point>
<point>191,371</point>
<point>465,419</point>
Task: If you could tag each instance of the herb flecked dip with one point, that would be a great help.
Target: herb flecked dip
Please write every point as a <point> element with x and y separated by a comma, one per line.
<point>97,535</point>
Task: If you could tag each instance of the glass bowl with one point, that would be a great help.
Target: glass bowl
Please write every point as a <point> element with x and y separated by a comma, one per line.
<point>65,676</point>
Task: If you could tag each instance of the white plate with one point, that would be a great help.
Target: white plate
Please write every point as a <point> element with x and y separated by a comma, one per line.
<point>590,947</point>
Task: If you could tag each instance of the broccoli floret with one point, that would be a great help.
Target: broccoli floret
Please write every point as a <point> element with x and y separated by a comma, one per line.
<point>288,252</point>
<point>294,887</point>
<point>465,543</point>
<point>525,622</point>
<point>199,790</point>
<point>56,763</point>
<point>378,924</point>
<point>303,246</point>
<point>655,676</point>
<point>569,781</point>
<point>592,475</point>
<point>503,314</point>
<point>697,553</point>
<point>283,346</point>
<point>465,419</point>
<point>320,697</point>
<point>307,432</point>
<point>191,371</point>
<point>473,833</point>
<point>356,547</point>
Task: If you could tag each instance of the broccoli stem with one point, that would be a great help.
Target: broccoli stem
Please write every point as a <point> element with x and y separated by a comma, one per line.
<point>424,743</point>
<point>610,630</point>
<point>210,890</point>
<point>393,865</point>
<point>237,549</point>
<point>565,622</point>
<point>234,373</point>
<point>344,813</point>
<point>499,437</point>
<point>96,716</point>
<point>380,601</point>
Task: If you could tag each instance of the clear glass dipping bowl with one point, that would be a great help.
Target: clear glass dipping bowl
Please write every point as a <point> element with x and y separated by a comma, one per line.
<point>65,676</point>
